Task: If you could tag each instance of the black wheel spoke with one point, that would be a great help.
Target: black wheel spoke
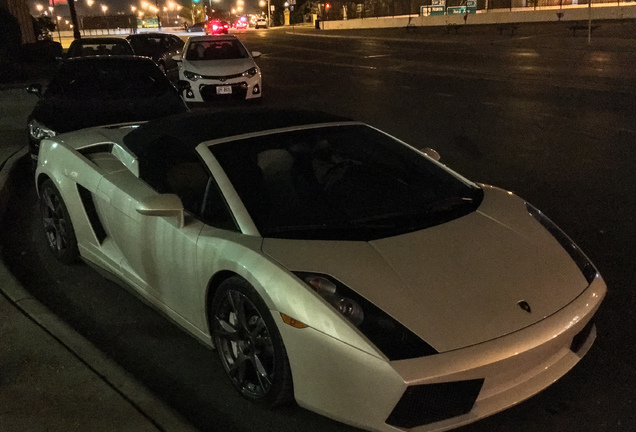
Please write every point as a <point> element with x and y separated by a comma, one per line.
<point>237,369</point>
<point>49,224</point>
<point>225,330</point>
<point>46,196</point>
<point>260,328</point>
<point>262,374</point>
<point>241,313</point>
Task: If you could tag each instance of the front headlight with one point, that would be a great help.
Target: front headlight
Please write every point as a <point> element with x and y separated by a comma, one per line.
<point>250,72</point>
<point>38,131</point>
<point>577,255</point>
<point>389,336</point>
<point>191,75</point>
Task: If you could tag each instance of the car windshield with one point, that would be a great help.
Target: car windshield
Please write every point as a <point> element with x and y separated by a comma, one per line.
<point>108,78</point>
<point>83,48</point>
<point>341,183</point>
<point>145,45</point>
<point>224,49</point>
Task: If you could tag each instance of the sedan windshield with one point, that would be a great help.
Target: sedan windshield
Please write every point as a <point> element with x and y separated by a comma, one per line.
<point>109,78</point>
<point>341,183</point>
<point>224,49</point>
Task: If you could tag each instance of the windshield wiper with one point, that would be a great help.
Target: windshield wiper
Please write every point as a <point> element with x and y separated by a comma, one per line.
<point>398,220</point>
<point>447,204</point>
<point>441,205</point>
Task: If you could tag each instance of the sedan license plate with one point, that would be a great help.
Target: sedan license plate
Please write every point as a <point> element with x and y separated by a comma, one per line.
<point>224,90</point>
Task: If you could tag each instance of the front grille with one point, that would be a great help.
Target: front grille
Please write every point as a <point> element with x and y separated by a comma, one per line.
<point>208,92</point>
<point>429,403</point>
<point>222,77</point>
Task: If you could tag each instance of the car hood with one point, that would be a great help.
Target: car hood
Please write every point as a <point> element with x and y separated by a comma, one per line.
<point>65,115</point>
<point>219,67</point>
<point>455,284</point>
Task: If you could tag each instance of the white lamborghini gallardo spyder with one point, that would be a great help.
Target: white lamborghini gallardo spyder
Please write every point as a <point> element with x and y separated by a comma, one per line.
<point>327,262</point>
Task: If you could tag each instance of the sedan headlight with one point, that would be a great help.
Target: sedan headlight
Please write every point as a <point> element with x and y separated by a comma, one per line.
<point>577,255</point>
<point>38,131</point>
<point>389,336</point>
<point>250,72</point>
<point>191,75</point>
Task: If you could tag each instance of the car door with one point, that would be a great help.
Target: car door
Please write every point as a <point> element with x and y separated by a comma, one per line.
<point>158,253</point>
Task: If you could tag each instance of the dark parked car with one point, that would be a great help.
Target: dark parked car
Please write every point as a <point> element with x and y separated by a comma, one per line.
<point>92,46</point>
<point>160,47</point>
<point>197,27</point>
<point>100,90</point>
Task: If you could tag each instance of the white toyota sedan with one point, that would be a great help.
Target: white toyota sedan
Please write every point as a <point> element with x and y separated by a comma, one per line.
<point>218,67</point>
<point>327,262</point>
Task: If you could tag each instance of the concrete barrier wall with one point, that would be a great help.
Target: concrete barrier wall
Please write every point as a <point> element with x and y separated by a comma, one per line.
<point>499,16</point>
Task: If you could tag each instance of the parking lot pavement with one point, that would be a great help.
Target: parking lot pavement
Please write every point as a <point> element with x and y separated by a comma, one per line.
<point>52,379</point>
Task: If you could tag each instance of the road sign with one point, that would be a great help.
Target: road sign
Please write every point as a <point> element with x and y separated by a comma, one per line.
<point>461,10</point>
<point>438,7</point>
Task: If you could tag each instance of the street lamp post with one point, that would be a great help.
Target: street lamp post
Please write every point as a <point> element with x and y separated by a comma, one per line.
<point>57,24</point>
<point>158,18</point>
<point>104,9</point>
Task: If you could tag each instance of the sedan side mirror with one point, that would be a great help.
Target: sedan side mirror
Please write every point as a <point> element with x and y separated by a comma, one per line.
<point>177,58</point>
<point>163,205</point>
<point>256,54</point>
<point>35,89</point>
<point>183,85</point>
<point>433,154</point>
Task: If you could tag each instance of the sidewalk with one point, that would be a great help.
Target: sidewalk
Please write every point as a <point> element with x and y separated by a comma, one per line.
<point>51,378</point>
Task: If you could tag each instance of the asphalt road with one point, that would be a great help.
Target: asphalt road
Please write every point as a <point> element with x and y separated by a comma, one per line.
<point>542,113</point>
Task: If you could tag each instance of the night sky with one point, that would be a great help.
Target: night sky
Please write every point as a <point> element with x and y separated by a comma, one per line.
<point>124,6</point>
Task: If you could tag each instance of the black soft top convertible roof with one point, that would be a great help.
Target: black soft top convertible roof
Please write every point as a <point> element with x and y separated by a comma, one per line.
<point>190,129</point>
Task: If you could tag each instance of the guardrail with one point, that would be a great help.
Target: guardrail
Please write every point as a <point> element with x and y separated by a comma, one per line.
<point>598,11</point>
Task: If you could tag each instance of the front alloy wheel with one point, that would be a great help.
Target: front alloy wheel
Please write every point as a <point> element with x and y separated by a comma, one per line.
<point>58,228</point>
<point>249,344</point>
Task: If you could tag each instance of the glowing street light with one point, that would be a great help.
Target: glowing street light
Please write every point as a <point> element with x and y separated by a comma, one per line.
<point>104,9</point>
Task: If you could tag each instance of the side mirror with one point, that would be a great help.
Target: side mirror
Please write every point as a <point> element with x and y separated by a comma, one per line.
<point>183,85</point>
<point>177,58</point>
<point>163,205</point>
<point>256,54</point>
<point>35,89</point>
<point>432,154</point>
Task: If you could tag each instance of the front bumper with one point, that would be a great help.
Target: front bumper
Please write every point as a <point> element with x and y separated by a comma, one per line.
<point>360,389</point>
<point>210,90</point>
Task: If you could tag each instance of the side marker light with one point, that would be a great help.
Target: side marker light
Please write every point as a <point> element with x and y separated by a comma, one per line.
<point>292,321</point>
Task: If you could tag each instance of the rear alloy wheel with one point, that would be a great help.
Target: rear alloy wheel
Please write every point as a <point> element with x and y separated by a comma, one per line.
<point>58,228</point>
<point>249,344</point>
